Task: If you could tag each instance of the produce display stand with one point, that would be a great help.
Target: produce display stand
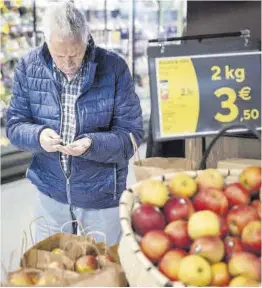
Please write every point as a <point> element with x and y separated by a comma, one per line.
<point>140,272</point>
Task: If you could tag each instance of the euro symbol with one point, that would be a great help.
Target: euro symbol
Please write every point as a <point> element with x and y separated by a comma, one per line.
<point>244,93</point>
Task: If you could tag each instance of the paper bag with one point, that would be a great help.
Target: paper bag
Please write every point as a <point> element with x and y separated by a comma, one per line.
<point>110,276</point>
<point>39,256</point>
<point>157,166</point>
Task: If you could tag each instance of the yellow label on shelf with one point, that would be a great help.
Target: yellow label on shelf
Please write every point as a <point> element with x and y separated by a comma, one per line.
<point>4,141</point>
<point>178,96</point>
<point>116,36</point>
<point>6,29</point>
<point>18,3</point>
<point>2,89</point>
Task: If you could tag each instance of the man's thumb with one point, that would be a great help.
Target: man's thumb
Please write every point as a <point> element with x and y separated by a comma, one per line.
<point>53,134</point>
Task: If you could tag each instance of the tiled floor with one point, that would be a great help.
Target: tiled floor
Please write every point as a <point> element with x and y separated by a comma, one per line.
<point>17,201</point>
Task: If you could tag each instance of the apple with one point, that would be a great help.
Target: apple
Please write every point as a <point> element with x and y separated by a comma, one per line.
<point>223,227</point>
<point>58,251</point>
<point>182,185</point>
<point>178,208</point>
<point>236,194</point>
<point>257,205</point>
<point>153,192</point>
<point>232,245</point>
<point>245,264</point>
<point>20,278</point>
<point>86,263</point>
<point>251,179</point>
<point>170,263</point>
<point>251,237</point>
<point>239,216</point>
<point>146,218</point>
<point>195,271</point>
<point>241,281</point>
<point>203,223</point>
<point>211,199</point>
<point>177,232</point>
<point>209,247</point>
<point>48,280</point>
<point>210,178</point>
<point>220,275</point>
<point>155,244</point>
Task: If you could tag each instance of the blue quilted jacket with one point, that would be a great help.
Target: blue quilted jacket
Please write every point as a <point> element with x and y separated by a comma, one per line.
<point>107,111</point>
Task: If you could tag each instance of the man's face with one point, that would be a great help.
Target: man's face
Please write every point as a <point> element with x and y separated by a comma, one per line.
<point>67,54</point>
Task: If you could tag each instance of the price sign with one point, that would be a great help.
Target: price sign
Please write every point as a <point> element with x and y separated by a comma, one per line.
<point>199,94</point>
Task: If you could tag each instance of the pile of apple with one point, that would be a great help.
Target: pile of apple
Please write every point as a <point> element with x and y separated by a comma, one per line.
<point>84,264</point>
<point>201,231</point>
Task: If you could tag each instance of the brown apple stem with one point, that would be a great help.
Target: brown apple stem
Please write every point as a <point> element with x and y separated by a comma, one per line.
<point>30,228</point>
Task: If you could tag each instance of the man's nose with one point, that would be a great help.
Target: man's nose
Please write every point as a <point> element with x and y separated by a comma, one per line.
<point>69,62</point>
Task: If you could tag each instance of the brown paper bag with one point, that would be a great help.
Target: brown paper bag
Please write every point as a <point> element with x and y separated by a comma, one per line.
<point>110,276</point>
<point>24,277</point>
<point>157,166</point>
<point>40,259</point>
<point>39,256</point>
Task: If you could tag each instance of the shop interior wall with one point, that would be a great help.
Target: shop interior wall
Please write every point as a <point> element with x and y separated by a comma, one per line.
<point>218,17</point>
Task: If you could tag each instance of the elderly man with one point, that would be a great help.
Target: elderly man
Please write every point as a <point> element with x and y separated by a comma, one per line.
<point>74,107</point>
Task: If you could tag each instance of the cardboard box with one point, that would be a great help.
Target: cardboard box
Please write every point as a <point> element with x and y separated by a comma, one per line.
<point>238,163</point>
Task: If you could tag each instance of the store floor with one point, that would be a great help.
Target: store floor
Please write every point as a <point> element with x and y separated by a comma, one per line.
<point>17,201</point>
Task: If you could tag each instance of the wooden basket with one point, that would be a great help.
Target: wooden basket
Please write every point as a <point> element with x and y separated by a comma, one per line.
<point>140,272</point>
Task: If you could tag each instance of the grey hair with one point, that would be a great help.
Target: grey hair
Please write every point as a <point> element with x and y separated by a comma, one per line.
<point>65,20</point>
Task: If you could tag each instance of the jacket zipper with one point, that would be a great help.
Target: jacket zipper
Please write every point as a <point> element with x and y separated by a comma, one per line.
<point>67,178</point>
<point>114,181</point>
<point>60,132</point>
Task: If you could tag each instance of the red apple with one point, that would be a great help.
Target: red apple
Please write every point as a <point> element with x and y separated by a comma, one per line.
<point>177,232</point>
<point>87,263</point>
<point>211,199</point>
<point>146,218</point>
<point>251,179</point>
<point>155,244</point>
<point>251,237</point>
<point>232,245</point>
<point>236,194</point>
<point>245,264</point>
<point>257,205</point>
<point>178,208</point>
<point>170,263</point>
<point>210,247</point>
<point>239,216</point>
<point>223,227</point>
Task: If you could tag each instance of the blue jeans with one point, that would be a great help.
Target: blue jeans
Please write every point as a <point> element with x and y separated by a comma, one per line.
<point>58,217</point>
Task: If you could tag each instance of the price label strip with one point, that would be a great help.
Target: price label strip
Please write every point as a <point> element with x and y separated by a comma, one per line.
<point>198,95</point>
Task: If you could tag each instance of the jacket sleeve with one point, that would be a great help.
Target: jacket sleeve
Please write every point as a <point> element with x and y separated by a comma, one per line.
<point>20,129</point>
<point>115,146</point>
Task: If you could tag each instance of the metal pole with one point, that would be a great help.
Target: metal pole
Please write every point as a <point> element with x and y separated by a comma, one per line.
<point>133,36</point>
<point>105,23</point>
<point>34,23</point>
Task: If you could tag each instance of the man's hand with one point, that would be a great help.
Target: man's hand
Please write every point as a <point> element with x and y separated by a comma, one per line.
<point>50,140</point>
<point>76,148</point>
